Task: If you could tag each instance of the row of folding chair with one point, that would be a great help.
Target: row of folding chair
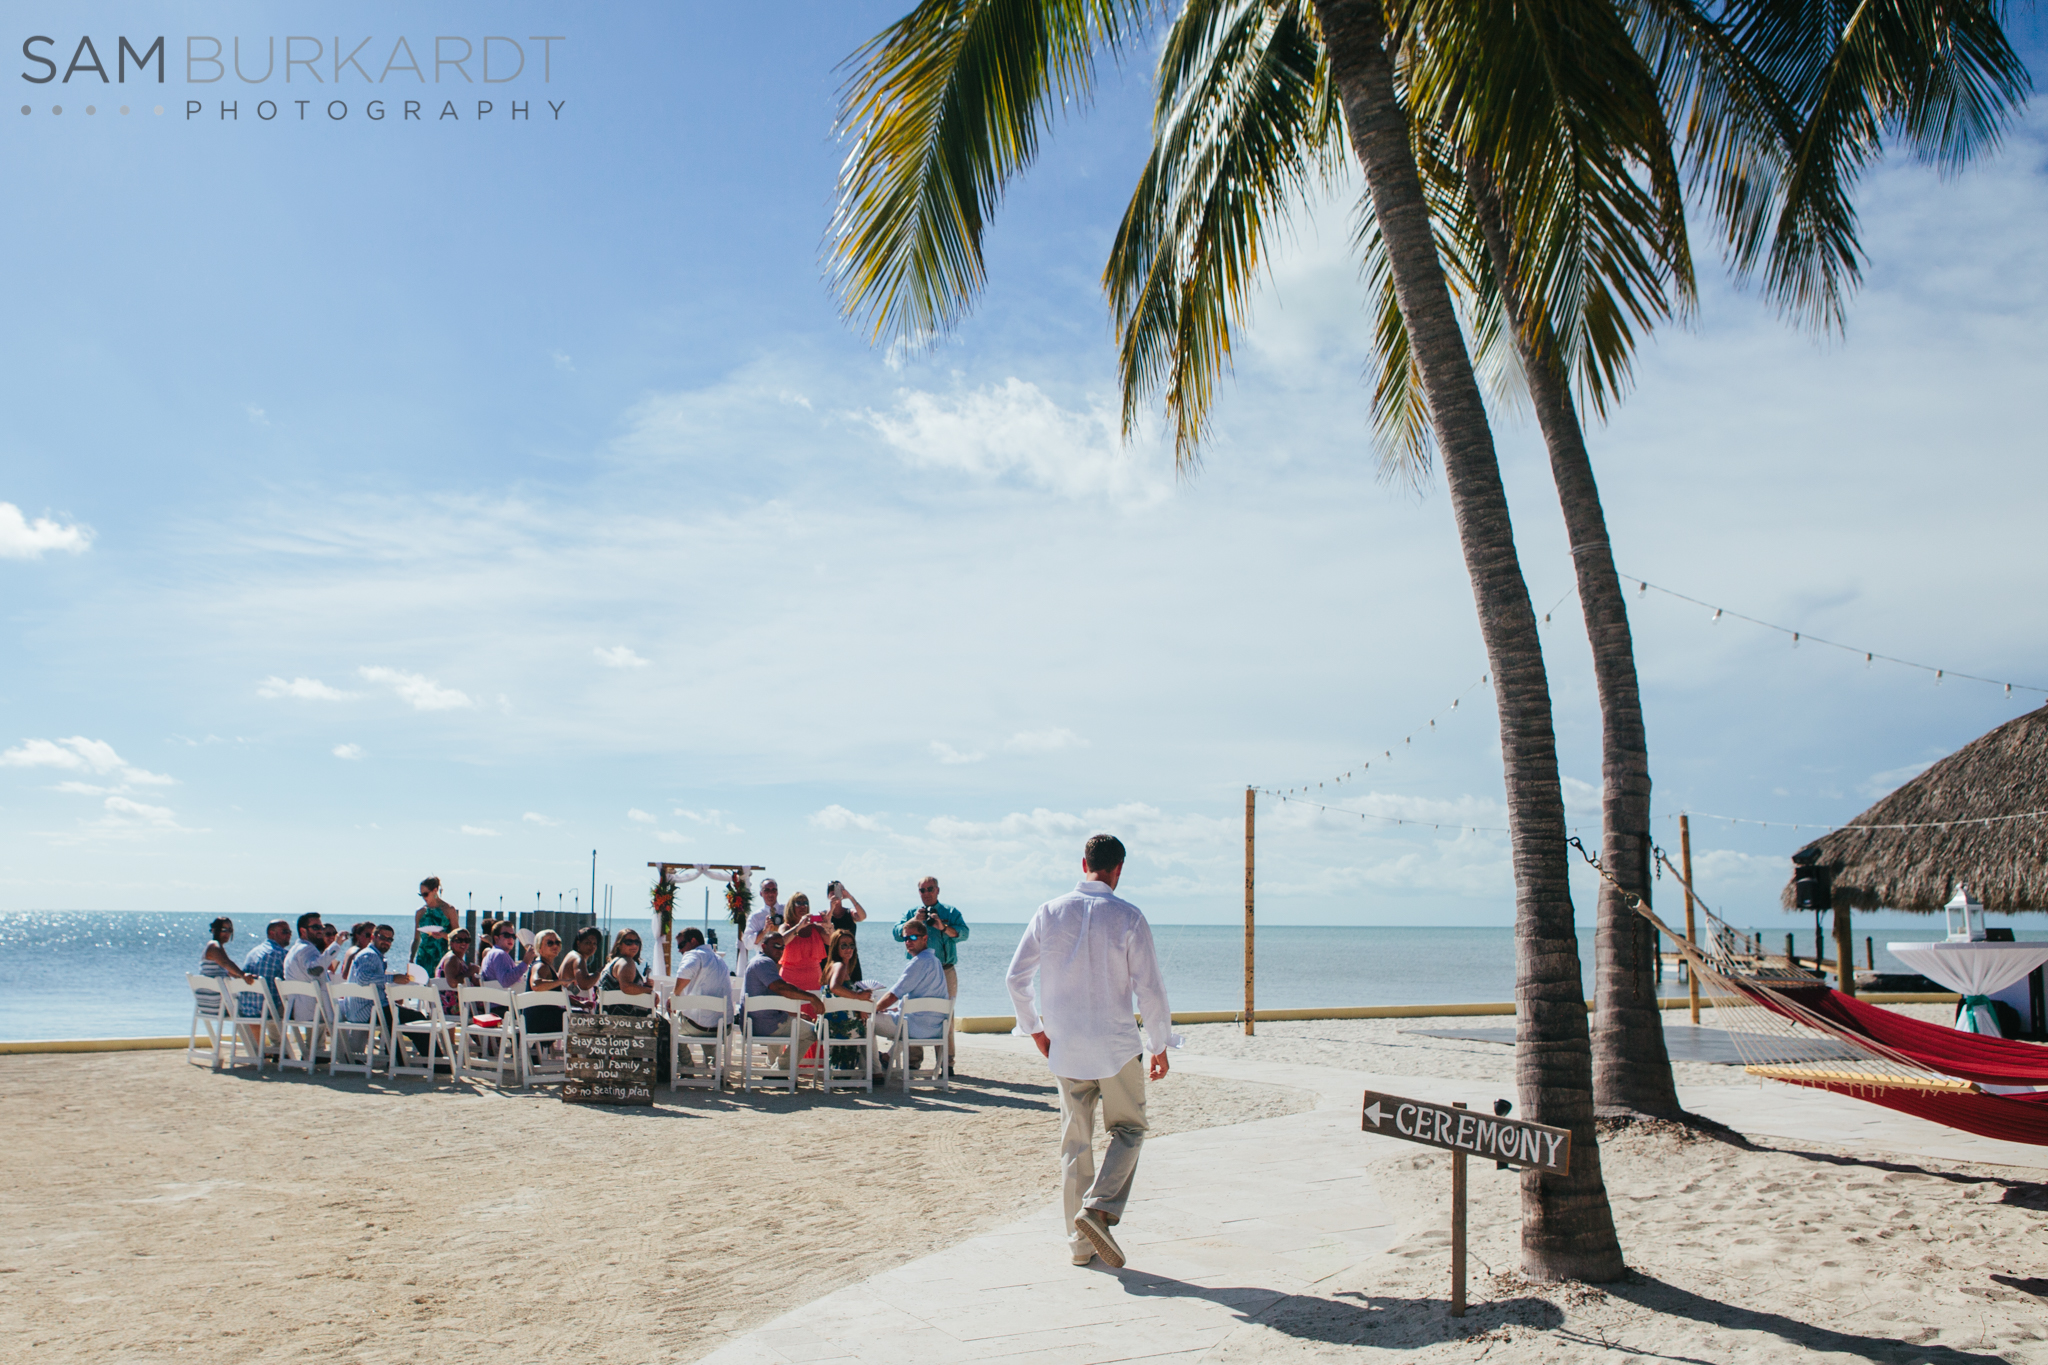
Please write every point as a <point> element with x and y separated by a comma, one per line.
<point>493,1034</point>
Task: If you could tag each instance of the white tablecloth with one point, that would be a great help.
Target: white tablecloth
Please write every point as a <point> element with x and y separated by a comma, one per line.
<point>1972,969</point>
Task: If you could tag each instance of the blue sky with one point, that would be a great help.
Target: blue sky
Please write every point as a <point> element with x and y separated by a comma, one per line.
<point>462,495</point>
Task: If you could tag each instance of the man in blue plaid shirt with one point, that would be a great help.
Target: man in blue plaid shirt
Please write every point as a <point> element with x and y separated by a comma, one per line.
<point>266,960</point>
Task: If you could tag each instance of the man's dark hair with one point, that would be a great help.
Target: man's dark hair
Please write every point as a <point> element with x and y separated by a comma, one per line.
<point>1103,853</point>
<point>307,919</point>
<point>385,929</point>
<point>430,883</point>
<point>689,939</point>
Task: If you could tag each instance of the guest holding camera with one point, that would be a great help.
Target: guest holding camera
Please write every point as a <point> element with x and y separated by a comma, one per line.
<point>842,910</point>
<point>945,928</point>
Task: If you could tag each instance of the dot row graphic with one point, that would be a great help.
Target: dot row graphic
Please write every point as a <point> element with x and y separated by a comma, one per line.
<point>90,109</point>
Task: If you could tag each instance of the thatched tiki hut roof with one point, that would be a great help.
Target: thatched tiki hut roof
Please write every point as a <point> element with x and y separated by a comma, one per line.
<point>1980,817</point>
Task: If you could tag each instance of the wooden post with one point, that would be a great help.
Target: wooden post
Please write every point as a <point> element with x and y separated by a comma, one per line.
<point>1869,954</point>
<point>1692,990</point>
<point>1845,951</point>
<point>1250,809</point>
<point>1457,1229</point>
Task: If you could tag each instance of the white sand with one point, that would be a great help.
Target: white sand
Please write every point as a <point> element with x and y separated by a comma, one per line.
<point>155,1208</point>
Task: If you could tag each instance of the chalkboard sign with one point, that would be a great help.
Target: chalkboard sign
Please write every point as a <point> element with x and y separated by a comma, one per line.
<point>611,1058</point>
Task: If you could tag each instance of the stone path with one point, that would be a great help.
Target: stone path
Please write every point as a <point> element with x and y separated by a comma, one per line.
<point>1225,1222</point>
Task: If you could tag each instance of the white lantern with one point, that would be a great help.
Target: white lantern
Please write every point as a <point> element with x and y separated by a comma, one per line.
<point>1973,930</point>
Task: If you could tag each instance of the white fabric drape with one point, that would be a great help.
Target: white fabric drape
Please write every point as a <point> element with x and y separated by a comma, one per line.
<point>681,873</point>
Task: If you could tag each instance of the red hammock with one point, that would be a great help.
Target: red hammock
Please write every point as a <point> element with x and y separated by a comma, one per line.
<point>1951,1052</point>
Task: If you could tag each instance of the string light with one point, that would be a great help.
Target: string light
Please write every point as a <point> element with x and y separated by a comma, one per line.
<point>1869,656</point>
<point>1385,754</point>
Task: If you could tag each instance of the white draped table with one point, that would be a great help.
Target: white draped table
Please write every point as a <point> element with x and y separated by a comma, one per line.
<point>1974,970</point>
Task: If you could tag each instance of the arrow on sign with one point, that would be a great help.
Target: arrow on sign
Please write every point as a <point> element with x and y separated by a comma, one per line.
<point>1372,1111</point>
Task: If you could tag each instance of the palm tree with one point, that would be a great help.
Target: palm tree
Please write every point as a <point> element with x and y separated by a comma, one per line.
<point>946,106</point>
<point>1561,256</point>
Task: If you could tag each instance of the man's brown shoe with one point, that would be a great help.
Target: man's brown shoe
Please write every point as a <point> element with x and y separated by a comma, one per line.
<point>1089,1224</point>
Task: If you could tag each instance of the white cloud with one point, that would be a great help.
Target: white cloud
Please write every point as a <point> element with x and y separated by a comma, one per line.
<point>946,753</point>
<point>838,818</point>
<point>1015,431</point>
<point>713,819</point>
<point>257,417</point>
<point>21,538</point>
<point>669,836</point>
<point>619,656</point>
<point>481,830</point>
<point>1043,741</point>
<point>1883,784</point>
<point>79,754</point>
<point>304,689</point>
<point>348,751</point>
<point>126,819</point>
<point>639,817</point>
<point>423,693</point>
<point>536,818</point>
<point>562,361</point>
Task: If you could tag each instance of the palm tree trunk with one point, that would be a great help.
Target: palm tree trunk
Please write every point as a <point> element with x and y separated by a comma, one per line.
<point>1567,1227</point>
<point>1631,1069</point>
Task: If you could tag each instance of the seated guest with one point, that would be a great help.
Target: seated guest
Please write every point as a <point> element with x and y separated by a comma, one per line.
<point>214,960</point>
<point>700,971</point>
<point>303,963</point>
<point>266,960</point>
<point>579,968</point>
<point>626,973</point>
<point>923,979</point>
<point>453,972</point>
<point>843,978</point>
<point>764,978</point>
<point>501,965</point>
<point>366,968</point>
<point>358,939</point>
<point>547,954</point>
<point>333,943</point>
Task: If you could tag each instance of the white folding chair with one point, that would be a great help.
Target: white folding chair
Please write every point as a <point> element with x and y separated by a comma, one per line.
<point>538,1058</point>
<point>789,1045</point>
<point>701,1076</point>
<point>241,1034</point>
<point>899,1056</point>
<point>304,1021</point>
<point>370,1029</point>
<point>207,999</point>
<point>432,1029</point>
<point>497,1044</point>
<point>834,1077</point>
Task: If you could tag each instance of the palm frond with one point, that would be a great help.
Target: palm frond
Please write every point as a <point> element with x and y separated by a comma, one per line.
<point>943,108</point>
<point>1245,127</point>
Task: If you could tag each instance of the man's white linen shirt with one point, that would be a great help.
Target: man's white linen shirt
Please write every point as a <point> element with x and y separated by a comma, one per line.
<point>757,925</point>
<point>1092,954</point>
<point>303,962</point>
<point>703,972</point>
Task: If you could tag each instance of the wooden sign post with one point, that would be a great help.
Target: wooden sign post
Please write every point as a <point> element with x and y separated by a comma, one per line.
<point>610,1058</point>
<point>1461,1132</point>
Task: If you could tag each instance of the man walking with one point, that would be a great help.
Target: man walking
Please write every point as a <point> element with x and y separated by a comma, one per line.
<point>947,927</point>
<point>1092,954</point>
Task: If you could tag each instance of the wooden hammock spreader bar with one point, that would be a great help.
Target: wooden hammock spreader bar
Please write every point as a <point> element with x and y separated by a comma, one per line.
<point>1868,1080</point>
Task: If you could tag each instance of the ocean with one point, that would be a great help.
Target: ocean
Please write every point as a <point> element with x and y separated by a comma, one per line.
<point>114,974</point>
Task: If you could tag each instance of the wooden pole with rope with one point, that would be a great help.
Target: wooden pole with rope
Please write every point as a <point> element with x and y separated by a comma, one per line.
<point>1250,810</point>
<point>1692,978</point>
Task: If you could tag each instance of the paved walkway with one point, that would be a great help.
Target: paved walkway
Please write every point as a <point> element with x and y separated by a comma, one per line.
<point>1225,1223</point>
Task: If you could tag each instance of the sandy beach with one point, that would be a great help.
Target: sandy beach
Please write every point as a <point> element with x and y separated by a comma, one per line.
<point>159,1208</point>
<point>156,1207</point>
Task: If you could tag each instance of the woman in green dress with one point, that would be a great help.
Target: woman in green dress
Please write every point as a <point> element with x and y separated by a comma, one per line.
<point>431,926</point>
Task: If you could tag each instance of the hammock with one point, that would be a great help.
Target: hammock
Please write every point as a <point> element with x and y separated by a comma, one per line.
<point>1787,1026</point>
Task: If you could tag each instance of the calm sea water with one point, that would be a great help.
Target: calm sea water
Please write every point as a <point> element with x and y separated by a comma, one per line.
<point>122,974</point>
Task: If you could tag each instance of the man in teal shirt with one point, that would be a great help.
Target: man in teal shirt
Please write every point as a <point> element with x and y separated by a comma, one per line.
<point>948,926</point>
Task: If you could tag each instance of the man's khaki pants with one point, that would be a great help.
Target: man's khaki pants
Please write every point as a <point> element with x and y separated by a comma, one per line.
<point>952,1043</point>
<point>1122,1097</point>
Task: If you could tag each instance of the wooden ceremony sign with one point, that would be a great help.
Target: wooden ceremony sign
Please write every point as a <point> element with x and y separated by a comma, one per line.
<point>610,1058</point>
<point>1461,1132</point>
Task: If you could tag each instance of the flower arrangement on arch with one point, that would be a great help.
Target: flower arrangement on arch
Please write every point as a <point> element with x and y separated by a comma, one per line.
<point>739,902</point>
